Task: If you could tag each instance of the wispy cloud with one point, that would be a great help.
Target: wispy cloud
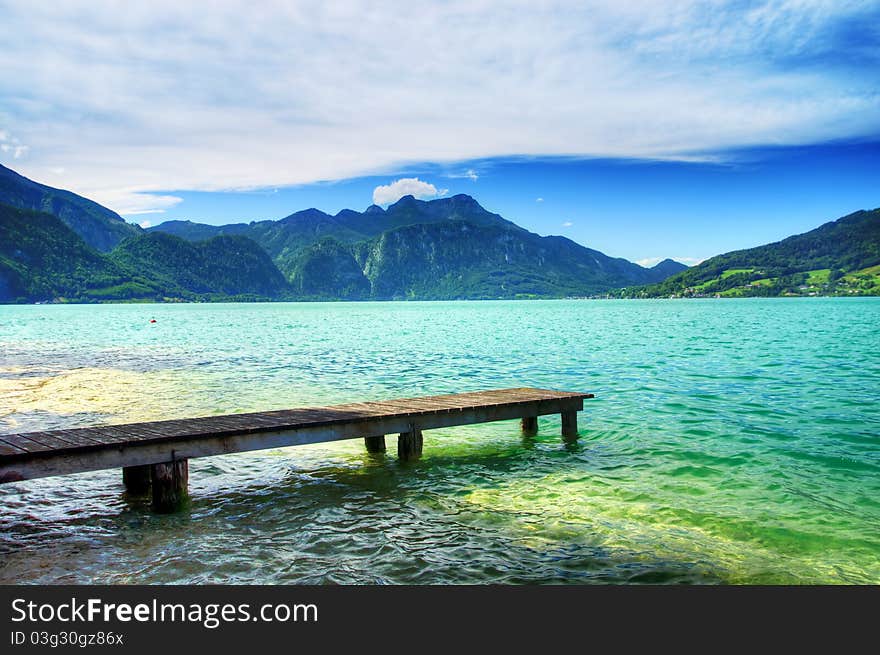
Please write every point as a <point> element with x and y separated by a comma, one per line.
<point>12,146</point>
<point>176,97</point>
<point>132,201</point>
<point>470,174</point>
<point>539,200</point>
<point>408,186</point>
<point>567,224</point>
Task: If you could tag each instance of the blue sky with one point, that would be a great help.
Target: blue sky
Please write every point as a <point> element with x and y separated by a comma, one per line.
<point>650,129</point>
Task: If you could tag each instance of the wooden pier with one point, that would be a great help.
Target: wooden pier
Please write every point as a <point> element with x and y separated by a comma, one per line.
<point>154,455</point>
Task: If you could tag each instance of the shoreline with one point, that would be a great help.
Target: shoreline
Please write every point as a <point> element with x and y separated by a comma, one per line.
<point>266,301</point>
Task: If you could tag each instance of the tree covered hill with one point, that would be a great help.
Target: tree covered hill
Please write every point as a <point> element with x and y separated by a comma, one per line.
<point>222,265</point>
<point>99,227</point>
<point>42,259</point>
<point>835,258</point>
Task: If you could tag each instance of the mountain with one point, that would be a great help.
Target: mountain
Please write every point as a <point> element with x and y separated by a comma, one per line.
<point>222,265</point>
<point>329,270</point>
<point>667,268</point>
<point>285,239</point>
<point>99,227</point>
<point>444,248</point>
<point>409,211</point>
<point>459,259</point>
<point>841,257</point>
<point>42,259</point>
<point>199,231</point>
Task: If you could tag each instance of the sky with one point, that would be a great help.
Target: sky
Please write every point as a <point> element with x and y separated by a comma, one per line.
<point>644,129</point>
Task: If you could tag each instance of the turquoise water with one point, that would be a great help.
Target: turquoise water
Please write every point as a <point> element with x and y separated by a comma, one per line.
<point>733,441</point>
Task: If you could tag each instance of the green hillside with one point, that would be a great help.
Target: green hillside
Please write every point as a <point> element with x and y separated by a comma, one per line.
<point>221,266</point>
<point>837,258</point>
<point>43,260</point>
<point>98,226</point>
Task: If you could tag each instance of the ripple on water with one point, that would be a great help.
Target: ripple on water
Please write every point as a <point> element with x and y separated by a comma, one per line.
<point>729,442</point>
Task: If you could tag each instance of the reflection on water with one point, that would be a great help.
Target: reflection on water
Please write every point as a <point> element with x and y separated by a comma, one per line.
<point>729,442</point>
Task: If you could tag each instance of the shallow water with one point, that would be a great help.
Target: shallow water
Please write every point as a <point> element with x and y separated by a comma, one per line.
<point>733,441</point>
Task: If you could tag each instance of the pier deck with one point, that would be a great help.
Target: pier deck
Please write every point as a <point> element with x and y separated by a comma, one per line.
<point>155,454</point>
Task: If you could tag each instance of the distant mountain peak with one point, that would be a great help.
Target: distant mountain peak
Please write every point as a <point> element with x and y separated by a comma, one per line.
<point>465,199</point>
<point>374,209</point>
<point>668,267</point>
<point>404,201</point>
<point>306,214</point>
<point>669,262</point>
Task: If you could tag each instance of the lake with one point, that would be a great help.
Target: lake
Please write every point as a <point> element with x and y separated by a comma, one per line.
<point>730,441</point>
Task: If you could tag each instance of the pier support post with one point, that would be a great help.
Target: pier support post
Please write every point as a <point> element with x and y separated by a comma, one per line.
<point>529,426</point>
<point>375,444</point>
<point>409,444</point>
<point>170,485</point>
<point>570,425</point>
<point>136,479</point>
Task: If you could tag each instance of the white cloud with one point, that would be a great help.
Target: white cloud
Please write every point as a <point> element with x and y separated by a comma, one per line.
<point>145,224</point>
<point>12,145</point>
<point>470,174</point>
<point>567,224</point>
<point>539,200</point>
<point>236,98</point>
<point>407,186</point>
<point>648,262</point>
<point>133,201</point>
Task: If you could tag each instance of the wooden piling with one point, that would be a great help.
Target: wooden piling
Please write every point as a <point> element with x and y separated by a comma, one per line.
<point>170,482</point>
<point>529,425</point>
<point>136,479</point>
<point>409,444</point>
<point>569,426</point>
<point>375,444</point>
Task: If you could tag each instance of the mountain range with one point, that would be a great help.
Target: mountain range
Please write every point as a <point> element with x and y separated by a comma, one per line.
<point>59,246</point>
<point>438,249</point>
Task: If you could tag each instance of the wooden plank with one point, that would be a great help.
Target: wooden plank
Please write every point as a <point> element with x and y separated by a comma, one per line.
<point>9,449</point>
<point>123,433</point>
<point>75,437</point>
<point>24,443</point>
<point>50,440</point>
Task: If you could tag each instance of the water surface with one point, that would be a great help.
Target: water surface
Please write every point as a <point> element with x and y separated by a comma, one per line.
<point>733,441</point>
